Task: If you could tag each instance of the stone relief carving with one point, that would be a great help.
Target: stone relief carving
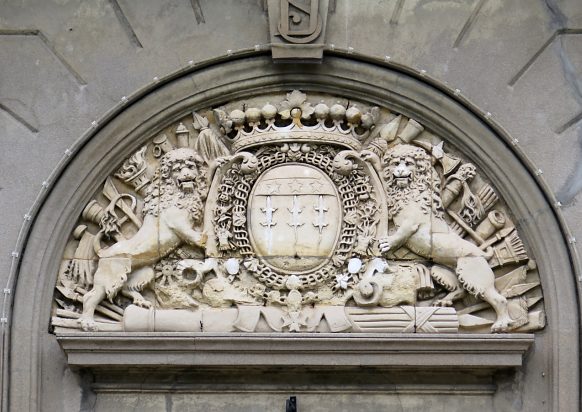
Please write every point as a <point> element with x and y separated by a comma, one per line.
<point>297,216</point>
<point>291,11</point>
<point>297,28</point>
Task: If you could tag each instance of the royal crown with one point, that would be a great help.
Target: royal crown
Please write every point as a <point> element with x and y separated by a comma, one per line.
<point>295,120</point>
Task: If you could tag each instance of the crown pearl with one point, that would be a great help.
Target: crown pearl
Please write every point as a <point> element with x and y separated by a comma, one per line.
<point>237,117</point>
<point>367,121</point>
<point>337,112</point>
<point>253,115</point>
<point>321,111</point>
<point>269,111</point>
<point>353,115</point>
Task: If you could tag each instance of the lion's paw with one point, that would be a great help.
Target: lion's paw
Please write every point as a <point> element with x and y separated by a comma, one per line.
<point>386,244</point>
<point>368,155</point>
<point>504,324</point>
<point>142,303</point>
<point>221,161</point>
<point>88,324</point>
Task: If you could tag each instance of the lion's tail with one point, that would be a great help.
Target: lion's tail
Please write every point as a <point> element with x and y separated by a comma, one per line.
<point>139,279</point>
<point>112,275</point>
<point>489,252</point>
<point>114,287</point>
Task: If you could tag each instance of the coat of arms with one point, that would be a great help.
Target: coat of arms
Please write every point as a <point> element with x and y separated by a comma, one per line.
<point>300,216</point>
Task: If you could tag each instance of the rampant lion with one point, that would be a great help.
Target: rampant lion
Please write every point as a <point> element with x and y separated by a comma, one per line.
<point>414,205</point>
<point>173,207</point>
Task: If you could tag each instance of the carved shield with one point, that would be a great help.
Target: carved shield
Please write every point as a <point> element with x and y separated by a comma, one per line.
<point>295,217</point>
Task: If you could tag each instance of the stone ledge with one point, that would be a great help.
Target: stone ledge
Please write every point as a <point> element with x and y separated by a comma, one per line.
<point>403,351</point>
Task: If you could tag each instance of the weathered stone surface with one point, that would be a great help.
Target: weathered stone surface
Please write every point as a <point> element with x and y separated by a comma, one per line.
<point>398,350</point>
<point>44,93</point>
<point>300,208</point>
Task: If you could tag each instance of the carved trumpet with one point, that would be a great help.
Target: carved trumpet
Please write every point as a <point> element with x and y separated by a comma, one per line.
<point>494,221</point>
<point>93,212</point>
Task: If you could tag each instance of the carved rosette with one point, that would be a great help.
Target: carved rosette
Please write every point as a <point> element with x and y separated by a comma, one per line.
<point>307,214</point>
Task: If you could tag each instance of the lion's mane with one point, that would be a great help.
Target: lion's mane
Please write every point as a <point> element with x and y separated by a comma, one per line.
<point>163,192</point>
<point>424,187</point>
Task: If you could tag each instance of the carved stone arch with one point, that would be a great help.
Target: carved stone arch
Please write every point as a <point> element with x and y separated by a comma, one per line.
<point>35,354</point>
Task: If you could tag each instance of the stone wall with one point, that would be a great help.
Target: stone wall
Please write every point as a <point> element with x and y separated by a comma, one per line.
<point>70,66</point>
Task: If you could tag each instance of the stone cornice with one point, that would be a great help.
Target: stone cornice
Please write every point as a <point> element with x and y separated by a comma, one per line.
<point>465,351</point>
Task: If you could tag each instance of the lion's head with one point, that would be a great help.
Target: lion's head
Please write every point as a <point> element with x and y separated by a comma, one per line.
<point>178,182</point>
<point>409,176</point>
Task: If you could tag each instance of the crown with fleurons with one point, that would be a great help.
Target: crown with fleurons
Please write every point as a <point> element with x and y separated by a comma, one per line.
<point>295,120</point>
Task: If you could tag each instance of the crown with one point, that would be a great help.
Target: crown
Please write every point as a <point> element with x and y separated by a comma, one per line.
<point>296,120</point>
